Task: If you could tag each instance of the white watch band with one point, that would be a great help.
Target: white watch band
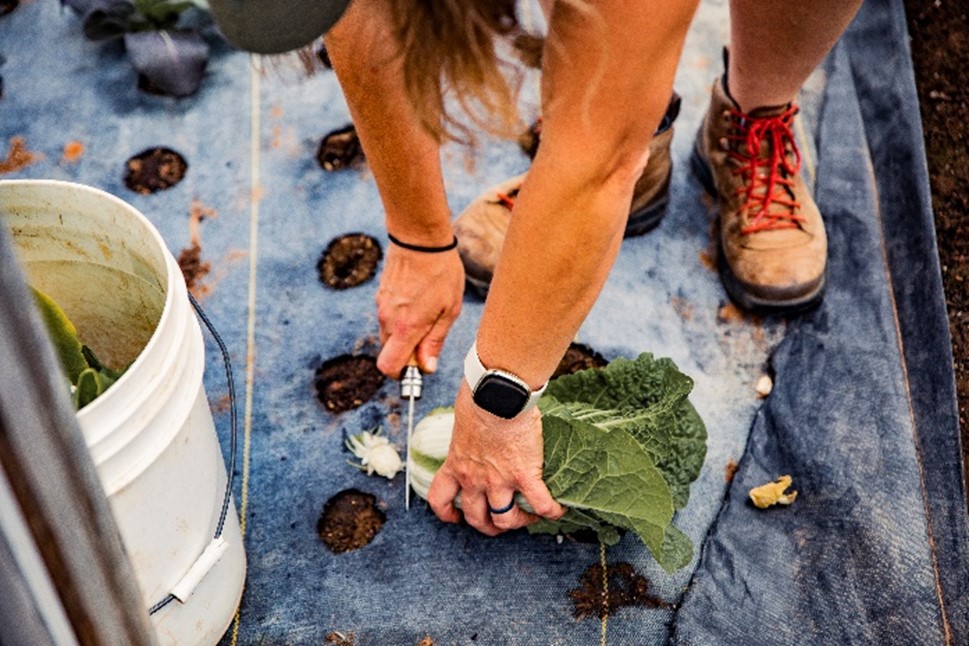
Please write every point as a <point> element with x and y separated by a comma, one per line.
<point>474,372</point>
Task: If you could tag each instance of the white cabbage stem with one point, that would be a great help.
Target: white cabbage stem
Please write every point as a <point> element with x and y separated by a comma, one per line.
<point>376,453</point>
<point>429,445</point>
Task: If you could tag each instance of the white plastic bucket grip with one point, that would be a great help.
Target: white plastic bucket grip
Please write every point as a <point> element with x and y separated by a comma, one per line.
<point>210,556</point>
<point>214,551</point>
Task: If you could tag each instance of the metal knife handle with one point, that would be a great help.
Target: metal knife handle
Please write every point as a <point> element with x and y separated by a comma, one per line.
<point>411,383</point>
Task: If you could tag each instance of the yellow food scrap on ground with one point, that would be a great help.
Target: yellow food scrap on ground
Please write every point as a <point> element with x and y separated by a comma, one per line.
<point>772,493</point>
<point>764,385</point>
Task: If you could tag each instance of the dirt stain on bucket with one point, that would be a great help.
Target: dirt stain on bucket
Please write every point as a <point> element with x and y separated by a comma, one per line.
<point>347,381</point>
<point>339,149</point>
<point>154,169</point>
<point>349,260</point>
<point>579,357</point>
<point>18,157</point>
<point>350,520</point>
<point>600,596</point>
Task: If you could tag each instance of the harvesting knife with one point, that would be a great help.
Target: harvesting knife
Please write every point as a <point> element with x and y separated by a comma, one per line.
<point>411,388</point>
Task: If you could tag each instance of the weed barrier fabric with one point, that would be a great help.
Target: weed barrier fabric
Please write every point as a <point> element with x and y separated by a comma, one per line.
<point>875,457</point>
<point>863,410</point>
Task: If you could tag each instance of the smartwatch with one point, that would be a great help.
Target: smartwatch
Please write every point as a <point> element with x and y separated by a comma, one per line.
<point>499,392</point>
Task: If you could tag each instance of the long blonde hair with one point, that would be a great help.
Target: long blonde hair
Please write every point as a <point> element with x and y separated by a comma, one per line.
<point>451,48</point>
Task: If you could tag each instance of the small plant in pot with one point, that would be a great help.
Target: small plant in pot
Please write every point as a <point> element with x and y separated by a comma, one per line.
<point>89,378</point>
<point>164,38</point>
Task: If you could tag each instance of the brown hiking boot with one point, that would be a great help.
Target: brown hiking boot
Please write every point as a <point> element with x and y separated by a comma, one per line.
<point>773,247</point>
<point>482,226</point>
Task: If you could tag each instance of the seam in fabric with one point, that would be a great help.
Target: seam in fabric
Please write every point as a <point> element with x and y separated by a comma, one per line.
<point>604,632</point>
<point>944,616</point>
<point>254,198</point>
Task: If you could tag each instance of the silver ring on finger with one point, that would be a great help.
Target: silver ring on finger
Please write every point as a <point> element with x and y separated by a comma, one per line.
<point>502,510</point>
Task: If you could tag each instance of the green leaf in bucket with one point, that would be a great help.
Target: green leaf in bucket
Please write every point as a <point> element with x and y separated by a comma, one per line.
<point>90,385</point>
<point>89,376</point>
<point>64,336</point>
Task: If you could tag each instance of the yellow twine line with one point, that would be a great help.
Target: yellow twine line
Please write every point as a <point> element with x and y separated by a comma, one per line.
<point>254,198</point>
<point>605,594</point>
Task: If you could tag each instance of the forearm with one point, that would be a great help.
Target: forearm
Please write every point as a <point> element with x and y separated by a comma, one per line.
<point>402,155</point>
<point>600,110</point>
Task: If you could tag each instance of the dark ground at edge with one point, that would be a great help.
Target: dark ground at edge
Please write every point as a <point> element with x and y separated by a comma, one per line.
<point>939,32</point>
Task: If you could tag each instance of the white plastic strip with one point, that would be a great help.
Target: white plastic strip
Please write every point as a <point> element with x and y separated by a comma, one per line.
<point>212,555</point>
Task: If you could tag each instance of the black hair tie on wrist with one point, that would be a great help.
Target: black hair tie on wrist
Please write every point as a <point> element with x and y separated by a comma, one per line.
<point>422,249</point>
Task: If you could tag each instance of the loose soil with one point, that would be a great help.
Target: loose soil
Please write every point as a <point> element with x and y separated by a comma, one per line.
<point>340,639</point>
<point>625,588</point>
<point>579,357</point>
<point>194,269</point>
<point>154,170</point>
<point>340,149</point>
<point>349,521</point>
<point>940,54</point>
<point>347,381</point>
<point>349,260</point>
<point>73,151</point>
<point>18,157</point>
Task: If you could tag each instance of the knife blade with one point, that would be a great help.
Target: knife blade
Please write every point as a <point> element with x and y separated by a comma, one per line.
<point>411,389</point>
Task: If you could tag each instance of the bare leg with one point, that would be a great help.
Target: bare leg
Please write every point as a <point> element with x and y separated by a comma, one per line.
<point>776,44</point>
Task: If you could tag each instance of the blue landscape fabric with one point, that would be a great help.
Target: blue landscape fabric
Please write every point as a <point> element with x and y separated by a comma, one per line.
<point>866,418</point>
<point>862,414</point>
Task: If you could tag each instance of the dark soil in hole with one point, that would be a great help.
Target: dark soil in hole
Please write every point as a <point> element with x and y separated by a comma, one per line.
<point>340,149</point>
<point>345,382</point>
<point>349,260</point>
<point>349,521</point>
<point>530,139</point>
<point>940,56</point>
<point>340,639</point>
<point>625,588</point>
<point>154,170</point>
<point>579,357</point>
<point>6,6</point>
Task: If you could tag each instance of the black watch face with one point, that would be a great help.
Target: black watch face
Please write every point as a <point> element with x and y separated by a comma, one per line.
<point>501,396</point>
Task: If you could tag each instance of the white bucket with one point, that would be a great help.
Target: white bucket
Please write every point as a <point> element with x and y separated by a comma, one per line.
<point>151,434</point>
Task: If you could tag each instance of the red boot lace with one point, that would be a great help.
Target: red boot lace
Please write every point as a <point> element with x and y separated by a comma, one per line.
<point>762,189</point>
<point>507,200</point>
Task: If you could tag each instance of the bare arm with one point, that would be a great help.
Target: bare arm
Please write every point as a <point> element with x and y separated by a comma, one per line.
<point>420,294</point>
<point>607,80</point>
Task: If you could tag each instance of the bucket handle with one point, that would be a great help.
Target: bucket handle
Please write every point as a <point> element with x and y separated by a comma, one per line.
<point>216,548</point>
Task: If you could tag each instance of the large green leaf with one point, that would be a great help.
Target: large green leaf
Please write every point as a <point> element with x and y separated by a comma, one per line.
<point>576,521</point>
<point>609,475</point>
<point>648,399</point>
<point>63,334</point>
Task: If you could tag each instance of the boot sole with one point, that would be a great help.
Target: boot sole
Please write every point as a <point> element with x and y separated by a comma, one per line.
<point>735,288</point>
<point>639,223</point>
